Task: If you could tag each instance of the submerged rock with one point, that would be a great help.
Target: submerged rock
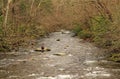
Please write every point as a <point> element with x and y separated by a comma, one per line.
<point>38,49</point>
<point>65,31</point>
<point>47,49</point>
<point>58,40</point>
<point>60,54</point>
<point>42,50</point>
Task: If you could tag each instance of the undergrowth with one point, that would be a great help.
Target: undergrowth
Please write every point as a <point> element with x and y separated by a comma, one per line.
<point>96,21</point>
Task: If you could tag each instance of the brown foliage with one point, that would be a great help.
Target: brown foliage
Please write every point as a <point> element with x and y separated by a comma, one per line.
<point>33,18</point>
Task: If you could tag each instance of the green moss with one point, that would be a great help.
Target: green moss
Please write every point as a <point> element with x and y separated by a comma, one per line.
<point>77,28</point>
<point>115,57</point>
<point>85,34</point>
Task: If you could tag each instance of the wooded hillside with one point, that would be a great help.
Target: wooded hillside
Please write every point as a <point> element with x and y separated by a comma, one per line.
<point>96,21</point>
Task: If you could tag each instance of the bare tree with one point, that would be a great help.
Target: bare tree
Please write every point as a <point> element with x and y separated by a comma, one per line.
<point>6,15</point>
<point>31,8</point>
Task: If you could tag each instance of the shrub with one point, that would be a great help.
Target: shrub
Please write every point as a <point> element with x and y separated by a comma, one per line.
<point>4,46</point>
<point>84,34</point>
<point>99,29</point>
<point>115,57</point>
<point>99,25</point>
<point>77,28</point>
<point>19,36</point>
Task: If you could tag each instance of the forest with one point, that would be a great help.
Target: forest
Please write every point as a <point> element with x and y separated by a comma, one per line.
<point>96,21</point>
<point>59,39</point>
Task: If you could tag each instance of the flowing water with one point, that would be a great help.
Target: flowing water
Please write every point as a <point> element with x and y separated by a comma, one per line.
<point>69,58</point>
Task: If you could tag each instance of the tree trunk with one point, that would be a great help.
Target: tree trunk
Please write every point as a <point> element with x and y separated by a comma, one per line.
<point>6,15</point>
<point>31,7</point>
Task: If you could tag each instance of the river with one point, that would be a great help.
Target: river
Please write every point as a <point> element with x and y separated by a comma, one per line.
<point>69,58</point>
